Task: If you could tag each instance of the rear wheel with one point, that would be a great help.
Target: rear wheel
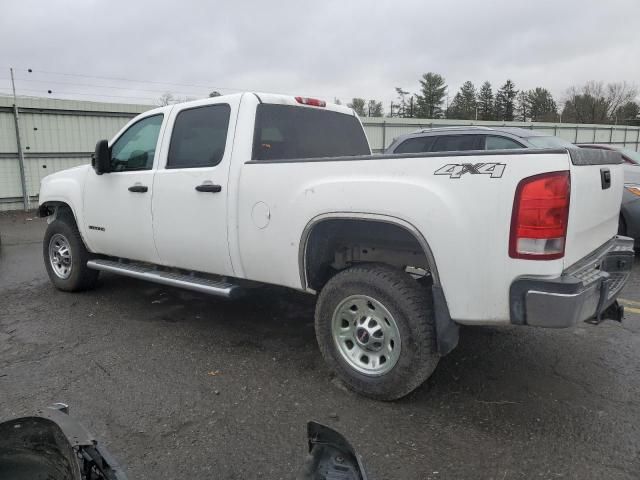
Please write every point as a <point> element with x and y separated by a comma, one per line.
<point>375,329</point>
<point>65,257</point>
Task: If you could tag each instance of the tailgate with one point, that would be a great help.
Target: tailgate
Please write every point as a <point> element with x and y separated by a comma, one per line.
<point>597,183</point>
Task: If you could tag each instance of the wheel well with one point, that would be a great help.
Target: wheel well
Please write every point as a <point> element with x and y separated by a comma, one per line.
<point>335,244</point>
<point>59,209</point>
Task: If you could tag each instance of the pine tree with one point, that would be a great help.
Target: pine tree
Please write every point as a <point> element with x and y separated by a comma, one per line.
<point>542,106</point>
<point>469,103</point>
<point>456,108</point>
<point>505,102</point>
<point>431,97</point>
<point>485,102</point>
<point>402,102</point>
<point>524,106</point>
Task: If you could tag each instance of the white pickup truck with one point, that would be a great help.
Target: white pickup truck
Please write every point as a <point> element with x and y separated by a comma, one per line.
<point>224,194</point>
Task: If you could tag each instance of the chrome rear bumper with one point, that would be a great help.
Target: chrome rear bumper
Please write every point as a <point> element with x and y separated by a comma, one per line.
<point>584,292</point>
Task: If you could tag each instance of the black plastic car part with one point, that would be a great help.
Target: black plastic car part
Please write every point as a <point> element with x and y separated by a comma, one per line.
<point>53,446</point>
<point>331,456</point>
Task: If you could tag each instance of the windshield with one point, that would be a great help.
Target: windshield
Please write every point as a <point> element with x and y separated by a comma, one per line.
<point>631,154</point>
<point>549,142</point>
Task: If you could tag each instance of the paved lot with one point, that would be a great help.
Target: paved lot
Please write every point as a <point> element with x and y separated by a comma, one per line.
<point>180,385</point>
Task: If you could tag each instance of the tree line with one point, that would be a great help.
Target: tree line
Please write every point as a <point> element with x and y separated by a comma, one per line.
<point>593,102</point>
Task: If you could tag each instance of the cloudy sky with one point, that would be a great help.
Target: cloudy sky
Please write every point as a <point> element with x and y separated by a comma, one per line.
<point>320,48</point>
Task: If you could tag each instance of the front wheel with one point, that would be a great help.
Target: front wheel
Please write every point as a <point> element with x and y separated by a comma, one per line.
<point>65,257</point>
<point>375,328</point>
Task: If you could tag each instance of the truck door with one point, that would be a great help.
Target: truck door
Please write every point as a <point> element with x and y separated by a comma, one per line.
<point>191,187</point>
<point>117,205</point>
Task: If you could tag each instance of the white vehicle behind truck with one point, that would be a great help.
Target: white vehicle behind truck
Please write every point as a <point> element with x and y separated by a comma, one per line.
<point>223,194</point>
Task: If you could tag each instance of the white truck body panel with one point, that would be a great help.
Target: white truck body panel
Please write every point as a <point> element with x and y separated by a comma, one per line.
<point>255,228</point>
<point>593,212</point>
<point>182,209</point>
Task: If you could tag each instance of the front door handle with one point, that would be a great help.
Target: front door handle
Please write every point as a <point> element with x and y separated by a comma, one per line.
<point>209,187</point>
<point>137,188</point>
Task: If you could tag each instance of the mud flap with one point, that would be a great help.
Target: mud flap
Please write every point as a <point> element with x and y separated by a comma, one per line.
<point>447,331</point>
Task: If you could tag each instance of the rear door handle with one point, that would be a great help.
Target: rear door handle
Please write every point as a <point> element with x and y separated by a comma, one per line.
<point>137,188</point>
<point>209,187</point>
<point>605,178</point>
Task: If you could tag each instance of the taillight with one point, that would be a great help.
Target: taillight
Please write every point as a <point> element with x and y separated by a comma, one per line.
<point>540,216</point>
<point>314,102</point>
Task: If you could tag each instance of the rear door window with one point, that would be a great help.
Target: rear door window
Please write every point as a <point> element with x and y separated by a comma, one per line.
<point>415,145</point>
<point>199,137</point>
<point>457,143</point>
<point>289,132</point>
<point>501,143</point>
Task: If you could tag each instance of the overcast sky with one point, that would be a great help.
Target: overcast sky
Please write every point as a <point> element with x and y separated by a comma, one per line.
<point>323,48</point>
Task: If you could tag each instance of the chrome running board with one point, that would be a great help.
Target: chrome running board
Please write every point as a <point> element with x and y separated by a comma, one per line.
<point>151,274</point>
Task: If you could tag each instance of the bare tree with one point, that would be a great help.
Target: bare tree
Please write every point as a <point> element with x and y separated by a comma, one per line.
<point>374,109</point>
<point>359,106</point>
<point>618,94</point>
<point>596,103</point>
<point>166,99</point>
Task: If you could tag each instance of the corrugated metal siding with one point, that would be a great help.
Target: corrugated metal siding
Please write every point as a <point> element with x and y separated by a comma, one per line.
<point>56,135</point>
<point>60,134</point>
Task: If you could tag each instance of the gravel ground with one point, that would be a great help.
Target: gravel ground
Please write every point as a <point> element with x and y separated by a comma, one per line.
<point>180,385</point>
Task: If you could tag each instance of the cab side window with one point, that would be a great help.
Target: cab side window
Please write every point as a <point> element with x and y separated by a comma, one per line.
<point>501,143</point>
<point>136,148</point>
<point>199,137</point>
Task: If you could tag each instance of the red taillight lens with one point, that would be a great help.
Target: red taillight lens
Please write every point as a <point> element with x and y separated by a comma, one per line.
<point>314,102</point>
<point>540,216</point>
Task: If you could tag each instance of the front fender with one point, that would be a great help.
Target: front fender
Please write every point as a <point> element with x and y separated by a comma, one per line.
<point>66,187</point>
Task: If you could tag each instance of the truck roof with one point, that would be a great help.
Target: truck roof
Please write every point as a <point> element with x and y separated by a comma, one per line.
<point>273,98</point>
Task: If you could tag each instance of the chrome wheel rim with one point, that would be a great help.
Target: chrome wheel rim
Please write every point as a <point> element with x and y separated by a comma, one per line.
<point>366,335</point>
<point>60,256</point>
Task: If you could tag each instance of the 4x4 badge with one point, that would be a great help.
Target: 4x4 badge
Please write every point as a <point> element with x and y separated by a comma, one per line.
<point>456,170</point>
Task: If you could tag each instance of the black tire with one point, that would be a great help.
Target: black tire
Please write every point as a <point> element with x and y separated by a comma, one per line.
<point>80,277</point>
<point>411,306</point>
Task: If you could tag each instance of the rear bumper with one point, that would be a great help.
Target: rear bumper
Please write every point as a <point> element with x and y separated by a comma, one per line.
<point>583,292</point>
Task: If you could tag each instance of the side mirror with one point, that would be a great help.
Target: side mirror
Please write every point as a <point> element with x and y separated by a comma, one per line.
<point>101,160</point>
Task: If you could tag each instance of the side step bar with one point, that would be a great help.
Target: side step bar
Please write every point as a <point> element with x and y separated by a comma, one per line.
<point>188,282</point>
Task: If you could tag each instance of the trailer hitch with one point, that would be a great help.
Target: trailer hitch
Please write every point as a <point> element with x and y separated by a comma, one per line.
<point>615,311</point>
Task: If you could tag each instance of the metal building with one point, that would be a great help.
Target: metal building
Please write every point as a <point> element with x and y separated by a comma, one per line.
<point>59,134</point>
<point>54,134</point>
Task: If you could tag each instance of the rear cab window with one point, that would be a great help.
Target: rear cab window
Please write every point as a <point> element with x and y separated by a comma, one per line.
<point>284,132</point>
